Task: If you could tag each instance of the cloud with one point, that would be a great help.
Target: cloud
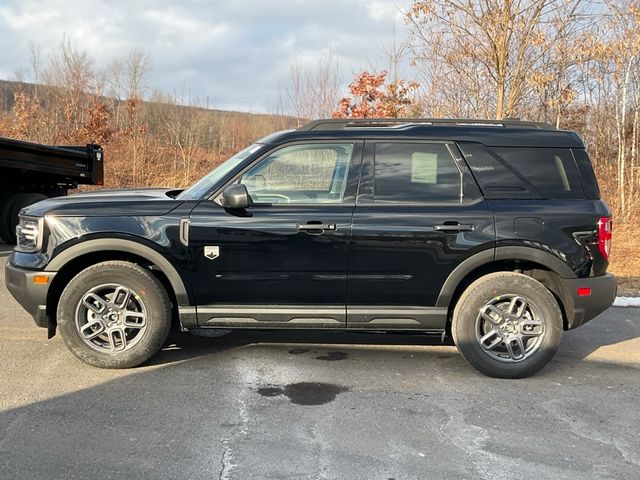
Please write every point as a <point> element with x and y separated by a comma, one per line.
<point>235,53</point>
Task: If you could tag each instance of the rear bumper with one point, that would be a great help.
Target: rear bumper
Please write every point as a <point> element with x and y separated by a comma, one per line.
<point>32,296</point>
<point>603,294</point>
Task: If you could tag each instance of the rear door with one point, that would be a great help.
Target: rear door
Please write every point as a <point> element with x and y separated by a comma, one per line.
<point>419,214</point>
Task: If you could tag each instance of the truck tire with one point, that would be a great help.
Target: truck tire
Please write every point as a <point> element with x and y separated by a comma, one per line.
<point>507,325</point>
<point>114,314</point>
<point>20,201</point>
<point>6,205</point>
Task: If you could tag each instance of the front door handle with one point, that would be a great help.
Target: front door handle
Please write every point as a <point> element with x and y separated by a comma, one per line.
<point>316,227</point>
<point>453,227</point>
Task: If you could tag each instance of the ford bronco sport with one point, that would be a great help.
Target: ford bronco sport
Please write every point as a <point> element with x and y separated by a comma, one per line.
<point>492,232</point>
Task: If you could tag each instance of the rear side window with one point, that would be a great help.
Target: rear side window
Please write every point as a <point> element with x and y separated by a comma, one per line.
<point>415,173</point>
<point>513,172</point>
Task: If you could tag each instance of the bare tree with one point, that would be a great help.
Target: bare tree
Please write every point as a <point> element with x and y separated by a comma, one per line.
<point>312,91</point>
<point>622,49</point>
<point>71,76</point>
<point>127,77</point>
<point>486,50</point>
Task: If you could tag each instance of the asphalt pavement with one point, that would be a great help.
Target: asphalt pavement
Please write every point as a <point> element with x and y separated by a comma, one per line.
<point>318,406</point>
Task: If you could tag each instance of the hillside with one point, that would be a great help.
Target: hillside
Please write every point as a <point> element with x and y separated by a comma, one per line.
<point>147,143</point>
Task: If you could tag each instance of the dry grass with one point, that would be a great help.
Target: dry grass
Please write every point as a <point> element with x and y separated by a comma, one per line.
<point>625,257</point>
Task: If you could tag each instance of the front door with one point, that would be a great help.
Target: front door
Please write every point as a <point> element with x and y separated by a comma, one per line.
<point>283,260</point>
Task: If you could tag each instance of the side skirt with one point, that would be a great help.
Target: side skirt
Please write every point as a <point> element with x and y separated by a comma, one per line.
<point>432,319</point>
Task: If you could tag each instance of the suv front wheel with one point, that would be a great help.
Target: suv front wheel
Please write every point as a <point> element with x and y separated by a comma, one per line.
<point>507,325</point>
<point>114,315</point>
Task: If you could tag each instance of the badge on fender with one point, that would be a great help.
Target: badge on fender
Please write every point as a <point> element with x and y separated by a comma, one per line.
<point>211,251</point>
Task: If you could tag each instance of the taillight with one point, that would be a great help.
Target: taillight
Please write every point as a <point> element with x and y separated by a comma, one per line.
<point>605,228</point>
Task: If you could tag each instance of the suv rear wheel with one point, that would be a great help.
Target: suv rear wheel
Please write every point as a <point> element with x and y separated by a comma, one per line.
<point>114,315</point>
<point>507,325</point>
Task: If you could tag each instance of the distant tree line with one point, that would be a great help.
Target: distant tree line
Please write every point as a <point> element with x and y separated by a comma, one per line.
<point>166,140</point>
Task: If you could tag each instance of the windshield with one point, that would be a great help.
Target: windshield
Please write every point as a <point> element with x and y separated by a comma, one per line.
<point>206,183</point>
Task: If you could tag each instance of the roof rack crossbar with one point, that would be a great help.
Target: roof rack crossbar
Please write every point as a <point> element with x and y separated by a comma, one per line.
<point>343,123</point>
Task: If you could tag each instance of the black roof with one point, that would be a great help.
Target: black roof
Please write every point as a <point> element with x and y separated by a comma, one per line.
<point>494,133</point>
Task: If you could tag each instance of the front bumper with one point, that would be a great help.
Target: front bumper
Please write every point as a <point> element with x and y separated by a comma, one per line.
<point>32,296</point>
<point>603,294</point>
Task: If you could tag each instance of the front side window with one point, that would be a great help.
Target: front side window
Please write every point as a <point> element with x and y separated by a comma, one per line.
<point>210,180</point>
<point>415,173</point>
<point>301,174</point>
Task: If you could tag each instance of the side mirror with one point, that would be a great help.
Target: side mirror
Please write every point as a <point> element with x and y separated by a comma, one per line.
<point>236,196</point>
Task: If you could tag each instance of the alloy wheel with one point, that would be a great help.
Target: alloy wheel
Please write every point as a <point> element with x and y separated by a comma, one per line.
<point>111,318</point>
<point>510,328</point>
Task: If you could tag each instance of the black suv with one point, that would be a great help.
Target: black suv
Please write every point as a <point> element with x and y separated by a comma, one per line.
<point>492,232</point>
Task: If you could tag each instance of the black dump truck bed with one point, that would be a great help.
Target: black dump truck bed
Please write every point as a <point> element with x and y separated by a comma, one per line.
<point>64,164</point>
<point>30,172</point>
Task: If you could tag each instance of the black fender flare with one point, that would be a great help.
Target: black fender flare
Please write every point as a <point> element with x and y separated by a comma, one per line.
<point>485,257</point>
<point>546,258</point>
<point>126,246</point>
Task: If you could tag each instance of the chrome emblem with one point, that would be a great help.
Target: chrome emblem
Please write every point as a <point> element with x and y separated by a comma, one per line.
<point>211,252</point>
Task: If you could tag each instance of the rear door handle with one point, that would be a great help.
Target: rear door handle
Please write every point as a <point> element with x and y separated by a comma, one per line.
<point>453,227</point>
<point>316,227</point>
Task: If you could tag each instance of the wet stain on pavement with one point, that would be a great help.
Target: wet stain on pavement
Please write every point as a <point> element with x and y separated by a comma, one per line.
<point>312,393</point>
<point>305,393</point>
<point>333,356</point>
<point>270,391</point>
<point>298,351</point>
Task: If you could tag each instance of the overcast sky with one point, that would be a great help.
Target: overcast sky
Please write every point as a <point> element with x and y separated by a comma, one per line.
<point>234,53</point>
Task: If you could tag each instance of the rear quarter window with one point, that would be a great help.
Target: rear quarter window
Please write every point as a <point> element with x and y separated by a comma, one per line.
<point>517,172</point>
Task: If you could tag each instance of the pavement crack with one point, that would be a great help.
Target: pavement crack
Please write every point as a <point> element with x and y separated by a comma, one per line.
<point>582,429</point>
<point>226,461</point>
<point>321,446</point>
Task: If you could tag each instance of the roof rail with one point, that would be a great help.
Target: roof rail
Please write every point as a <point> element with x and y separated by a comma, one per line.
<point>343,123</point>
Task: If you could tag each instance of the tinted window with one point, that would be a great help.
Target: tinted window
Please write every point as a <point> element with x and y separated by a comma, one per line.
<point>510,172</point>
<point>496,178</point>
<point>588,177</point>
<point>415,172</point>
<point>300,174</point>
<point>551,170</point>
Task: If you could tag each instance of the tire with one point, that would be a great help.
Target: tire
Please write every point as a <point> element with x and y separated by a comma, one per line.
<point>6,206</point>
<point>496,310</point>
<point>114,314</point>
<point>21,200</point>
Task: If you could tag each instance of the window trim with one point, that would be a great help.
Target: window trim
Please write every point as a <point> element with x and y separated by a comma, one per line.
<point>353,174</point>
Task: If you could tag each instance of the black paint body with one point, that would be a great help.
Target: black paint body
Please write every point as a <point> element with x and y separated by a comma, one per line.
<point>380,267</point>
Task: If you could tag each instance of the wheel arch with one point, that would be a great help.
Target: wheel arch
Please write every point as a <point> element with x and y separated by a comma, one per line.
<point>540,265</point>
<point>73,260</point>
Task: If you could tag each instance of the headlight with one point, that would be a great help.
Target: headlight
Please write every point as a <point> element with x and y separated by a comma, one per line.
<point>29,233</point>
